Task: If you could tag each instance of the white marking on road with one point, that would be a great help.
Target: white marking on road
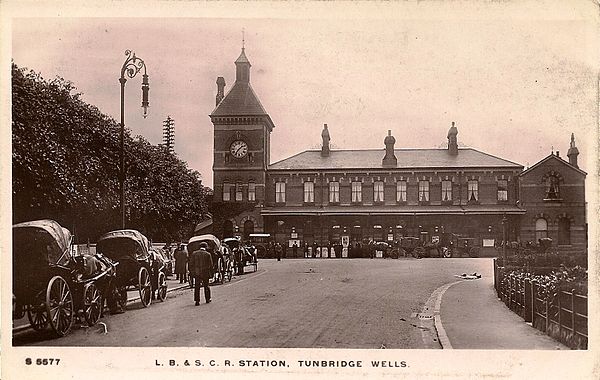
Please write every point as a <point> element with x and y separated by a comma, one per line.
<point>434,304</point>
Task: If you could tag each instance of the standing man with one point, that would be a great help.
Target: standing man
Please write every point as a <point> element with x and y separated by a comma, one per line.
<point>201,266</point>
<point>181,264</point>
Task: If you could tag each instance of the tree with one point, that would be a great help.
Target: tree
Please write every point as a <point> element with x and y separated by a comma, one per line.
<point>65,167</point>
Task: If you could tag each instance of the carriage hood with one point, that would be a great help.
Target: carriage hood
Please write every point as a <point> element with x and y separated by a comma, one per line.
<point>124,243</point>
<point>211,240</point>
<point>47,237</point>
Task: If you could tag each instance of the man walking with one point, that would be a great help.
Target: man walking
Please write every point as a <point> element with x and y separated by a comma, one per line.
<point>201,267</point>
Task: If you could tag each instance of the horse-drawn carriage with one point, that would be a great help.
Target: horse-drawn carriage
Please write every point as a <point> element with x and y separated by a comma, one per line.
<point>243,255</point>
<point>222,257</point>
<point>137,268</point>
<point>51,285</point>
<point>453,245</point>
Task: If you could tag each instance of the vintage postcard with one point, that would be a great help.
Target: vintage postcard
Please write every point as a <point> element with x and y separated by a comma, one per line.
<point>300,189</point>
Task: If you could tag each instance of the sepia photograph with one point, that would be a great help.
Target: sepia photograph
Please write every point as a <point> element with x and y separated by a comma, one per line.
<point>300,189</point>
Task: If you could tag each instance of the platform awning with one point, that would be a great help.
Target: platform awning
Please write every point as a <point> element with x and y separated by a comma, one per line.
<point>393,210</point>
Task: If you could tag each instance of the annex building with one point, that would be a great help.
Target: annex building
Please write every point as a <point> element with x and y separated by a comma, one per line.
<point>331,196</point>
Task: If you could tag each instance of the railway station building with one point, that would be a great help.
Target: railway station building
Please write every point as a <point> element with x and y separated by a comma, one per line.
<point>383,194</point>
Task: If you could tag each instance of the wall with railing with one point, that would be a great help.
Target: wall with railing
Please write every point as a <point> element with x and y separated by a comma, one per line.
<point>561,314</point>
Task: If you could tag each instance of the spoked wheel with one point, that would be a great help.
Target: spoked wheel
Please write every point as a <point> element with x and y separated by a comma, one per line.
<point>38,317</point>
<point>59,306</point>
<point>473,252</point>
<point>419,252</point>
<point>144,286</point>
<point>162,286</point>
<point>446,252</point>
<point>92,304</point>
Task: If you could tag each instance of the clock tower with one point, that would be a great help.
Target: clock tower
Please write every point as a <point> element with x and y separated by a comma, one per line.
<point>242,130</point>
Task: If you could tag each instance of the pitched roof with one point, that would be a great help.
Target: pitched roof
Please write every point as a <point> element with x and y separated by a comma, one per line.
<point>239,101</point>
<point>407,158</point>
<point>550,157</point>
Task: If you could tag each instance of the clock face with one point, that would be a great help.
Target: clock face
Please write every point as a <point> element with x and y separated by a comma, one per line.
<point>238,149</point>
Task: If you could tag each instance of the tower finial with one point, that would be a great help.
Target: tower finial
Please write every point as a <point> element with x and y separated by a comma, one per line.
<point>243,39</point>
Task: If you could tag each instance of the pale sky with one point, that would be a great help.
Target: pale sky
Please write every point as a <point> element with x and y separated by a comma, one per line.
<point>515,85</point>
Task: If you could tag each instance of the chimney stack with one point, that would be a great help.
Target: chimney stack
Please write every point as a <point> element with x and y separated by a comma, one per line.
<point>220,89</point>
<point>573,152</point>
<point>325,136</point>
<point>452,140</point>
<point>389,160</point>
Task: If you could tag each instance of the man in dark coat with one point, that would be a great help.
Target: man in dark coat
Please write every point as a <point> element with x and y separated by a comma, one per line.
<point>201,267</point>
<point>181,264</point>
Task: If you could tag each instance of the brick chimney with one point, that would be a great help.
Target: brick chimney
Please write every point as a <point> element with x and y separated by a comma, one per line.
<point>220,89</point>
<point>389,160</point>
<point>452,140</point>
<point>573,152</point>
<point>326,138</point>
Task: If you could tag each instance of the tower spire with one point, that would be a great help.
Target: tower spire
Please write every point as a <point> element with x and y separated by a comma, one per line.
<point>573,152</point>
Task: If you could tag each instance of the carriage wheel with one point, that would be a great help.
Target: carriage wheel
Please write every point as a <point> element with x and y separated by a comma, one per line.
<point>92,304</point>
<point>59,305</point>
<point>38,317</point>
<point>419,252</point>
<point>145,287</point>
<point>473,252</point>
<point>162,286</point>
<point>446,252</point>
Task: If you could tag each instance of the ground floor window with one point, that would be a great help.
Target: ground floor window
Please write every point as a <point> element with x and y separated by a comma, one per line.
<point>541,229</point>
<point>564,231</point>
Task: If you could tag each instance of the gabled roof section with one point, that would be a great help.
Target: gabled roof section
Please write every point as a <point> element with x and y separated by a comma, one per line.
<point>241,100</point>
<point>552,157</point>
<point>407,159</point>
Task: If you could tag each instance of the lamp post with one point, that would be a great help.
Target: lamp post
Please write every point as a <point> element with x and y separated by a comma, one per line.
<point>131,67</point>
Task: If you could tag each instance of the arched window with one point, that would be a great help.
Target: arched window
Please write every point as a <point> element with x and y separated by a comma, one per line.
<point>564,231</point>
<point>248,229</point>
<point>227,229</point>
<point>541,229</point>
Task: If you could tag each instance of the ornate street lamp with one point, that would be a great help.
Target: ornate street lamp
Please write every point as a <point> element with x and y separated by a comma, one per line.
<point>504,222</point>
<point>131,67</point>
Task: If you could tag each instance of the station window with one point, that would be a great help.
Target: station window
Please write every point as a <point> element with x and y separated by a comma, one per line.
<point>378,191</point>
<point>564,231</point>
<point>334,192</point>
<point>280,192</point>
<point>226,192</point>
<point>502,190</point>
<point>446,191</point>
<point>473,191</point>
<point>238,193</point>
<point>356,192</point>
<point>309,192</point>
<point>541,229</point>
<point>401,191</point>
<point>251,192</point>
<point>423,191</point>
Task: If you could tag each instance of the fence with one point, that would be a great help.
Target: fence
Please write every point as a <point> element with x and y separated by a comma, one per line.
<point>563,316</point>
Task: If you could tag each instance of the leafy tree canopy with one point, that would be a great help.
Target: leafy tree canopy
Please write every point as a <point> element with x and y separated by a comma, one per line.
<point>65,161</point>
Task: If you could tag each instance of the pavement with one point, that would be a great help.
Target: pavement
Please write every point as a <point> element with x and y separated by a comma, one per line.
<point>472,317</point>
<point>132,296</point>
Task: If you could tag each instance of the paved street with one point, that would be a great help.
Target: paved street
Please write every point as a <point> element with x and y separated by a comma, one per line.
<point>331,303</point>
